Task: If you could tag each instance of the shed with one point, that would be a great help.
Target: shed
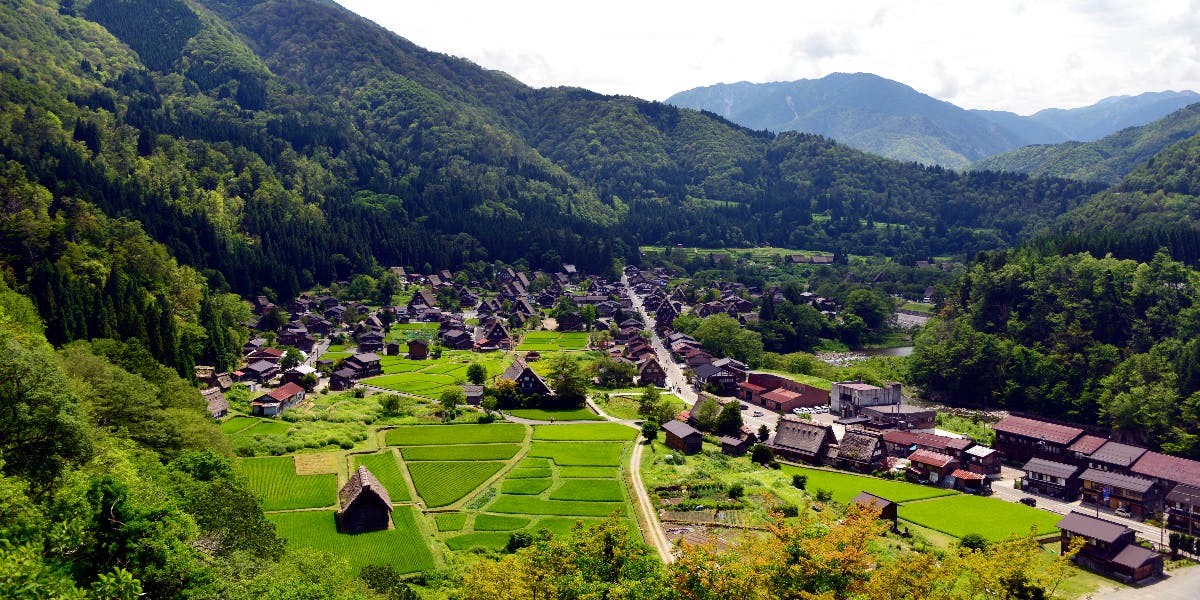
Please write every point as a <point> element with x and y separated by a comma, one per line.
<point>682,437</point>
<point>887,509</point>
<point>365,504</point>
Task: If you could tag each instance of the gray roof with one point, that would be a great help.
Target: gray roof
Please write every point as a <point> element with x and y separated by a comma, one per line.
<point>362,481</point>
<point>1186,494</point>
<point>679,428</point>
<point>869,499</point>
<point>1134,556</point>
<point>708,370</point>
<point>1115,453</point>
<point>1097,529</point>
<point>1041,465</point>
<point>1125,482</point>
<point>804,437</point>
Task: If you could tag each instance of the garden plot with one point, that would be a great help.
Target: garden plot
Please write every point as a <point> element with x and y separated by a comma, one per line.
<point>403,547</point>
<point>439,435</point>
<point>444,483</point>
<point>276,482</point>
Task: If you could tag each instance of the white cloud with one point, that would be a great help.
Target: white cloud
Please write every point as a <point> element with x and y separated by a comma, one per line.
<point>1002,54</point>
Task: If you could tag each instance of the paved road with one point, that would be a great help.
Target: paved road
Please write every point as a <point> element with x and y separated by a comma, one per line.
<point>1182,584</point>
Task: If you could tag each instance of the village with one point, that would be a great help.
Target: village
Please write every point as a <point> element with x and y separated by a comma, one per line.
<point>1131,505</point>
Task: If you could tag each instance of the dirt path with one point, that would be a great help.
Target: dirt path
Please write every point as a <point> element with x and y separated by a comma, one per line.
<point>654,532</point>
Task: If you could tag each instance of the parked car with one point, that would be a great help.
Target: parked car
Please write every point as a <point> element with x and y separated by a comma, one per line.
<point>1123,512</point>
<point>758,413</point>
<point>1029,501</point>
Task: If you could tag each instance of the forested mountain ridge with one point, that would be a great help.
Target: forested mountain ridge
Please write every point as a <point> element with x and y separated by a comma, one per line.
<point>1107,160</point>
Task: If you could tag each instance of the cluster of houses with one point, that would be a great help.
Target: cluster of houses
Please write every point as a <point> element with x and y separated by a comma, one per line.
<point>1067,462</point>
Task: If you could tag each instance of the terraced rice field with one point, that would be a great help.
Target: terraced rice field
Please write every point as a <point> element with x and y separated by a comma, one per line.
<point>463,452</point>
<point>585,432</point>
<point>586,472</point>
<point>387,471</point>
<point>527,487</point>
<point>402,547</point>
<point>276,482</point>
<point>531,505</point>
<point>846,486</point>
<point>444,483</point>
<point>565,414</point>
<point>488,522</point>
<point>450,521</point>
<point>589,454</point>
<point>589,490</point>
<point>530,473</point>
<point>434,435</point>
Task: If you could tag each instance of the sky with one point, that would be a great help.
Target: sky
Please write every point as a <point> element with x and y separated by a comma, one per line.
<point>989,54</point>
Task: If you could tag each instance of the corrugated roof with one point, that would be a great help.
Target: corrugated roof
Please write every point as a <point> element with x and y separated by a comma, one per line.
<point>961,474</point>
<point>285,391</point>
<point>1047,467</point>
<point>679,429</point>
<point>1097,529</point>
<point>1114,453</point>
<point>1087,444</point>
<point>1168,468</point>
<point>1134,556</point>
<point>1051,432</point>
<point>927,457</point>
<point>1125,482</point>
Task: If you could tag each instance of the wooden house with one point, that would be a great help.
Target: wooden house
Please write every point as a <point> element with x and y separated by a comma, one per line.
<point>1053,479</point>
<point>1021,438</point>
<point>651,373</point>
<point>1109,548</point>
<point>1110,490</point>
<point>365,504</point>
<point>529,382</point>
<point>418,349</point>
<point>364,364</point>
<point>927,466</point>
<point>682,437</point>
<point>888,510</point>
<point>800,440</point>
<point>859,451</point>
<point>274,402</point>
<point>218,405</point>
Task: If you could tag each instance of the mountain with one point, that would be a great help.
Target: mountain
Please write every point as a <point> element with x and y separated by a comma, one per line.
<point>1109,115</point>
<point>1107,160</point>
<point>861,110</point>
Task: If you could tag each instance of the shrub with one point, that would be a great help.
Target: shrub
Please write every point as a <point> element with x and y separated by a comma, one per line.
<point>973,541</point>
<point>799,481</point>
<point>789,510</point>
<point>737,490</point>
<point>650,430</point>
<point>824,495</point>
<point>761,454</point>
<point>518,540</point>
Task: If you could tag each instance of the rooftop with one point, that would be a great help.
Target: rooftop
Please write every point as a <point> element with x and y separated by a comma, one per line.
<point>1097,529</point>
<point>1168,468</point>
<point>1047,467</point>
<point>927,457</point>
<point>679,429</point>
<point>1033,428</point>
<point>1114,453</point>
<point>1087,444</point>
<point>1125,482</point>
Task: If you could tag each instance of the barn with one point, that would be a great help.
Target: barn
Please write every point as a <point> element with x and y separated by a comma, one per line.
<point>366,505</point>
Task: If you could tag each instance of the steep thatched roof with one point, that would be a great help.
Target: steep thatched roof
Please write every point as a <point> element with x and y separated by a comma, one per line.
<point>362,482</point>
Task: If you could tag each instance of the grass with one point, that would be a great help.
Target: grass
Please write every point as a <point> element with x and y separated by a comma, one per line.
<point>530,473</point>
<point>586,472</point>
<point>589,490</point>
<point>435,435</point>
<point>530,505</point>
<point>567,414</point>
<point>443,483</point>
<point>813,380</point>
<point>526,486</point>
<point>402,547</point>
<point>450,521</point>
<point>845,486</point>
<point>918,307</point>
<point>992,518</point>
<point>588,432</point>
<point>979,430</point>
<point>485,540</point>
<point>236,424</point>
<point>625,406</point>
<point>387,471</point>
<point>486,522</point>
<point>584,454</point>
<point>276,482</point>
<point>534,463</point>
<point>552,341</point>
<point>465,452</point>
<point>430,377</point>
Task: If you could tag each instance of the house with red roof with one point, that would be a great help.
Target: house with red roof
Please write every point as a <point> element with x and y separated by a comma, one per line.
<point>274,402</point>
<point>927,466</point>
<point>1022,438</point>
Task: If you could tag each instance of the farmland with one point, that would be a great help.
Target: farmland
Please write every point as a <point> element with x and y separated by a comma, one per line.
<point>276,482</point>
<point>847,485</point>
<point>463,452</point>
<point>429,377</point>
<point>589,490</point>
<point>526,486</point>
<point>444,483</point>
<point>993,519</point>
<point>432,435</point>
<point>599,432</point>
<point>566,414</point>
<point>387,471</point>
<point>530,505</point>
<point>401,547</point>
<point>450,521</point>
<point>591,454</point>
<point>552,341</point>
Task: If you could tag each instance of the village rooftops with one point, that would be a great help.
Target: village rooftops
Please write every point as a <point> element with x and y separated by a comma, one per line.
<point>1091,527</point>
<point>1087,444</point>
<point>1048,467</point>
<point>1117,480</point>
<point>1043,430</point>
<point>1168,468</point>
<point>1113,453</point>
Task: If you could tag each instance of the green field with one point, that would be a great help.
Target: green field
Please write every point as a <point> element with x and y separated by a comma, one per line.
<point>384,467</point>
<point>236,424</point>
<point>486,522</point>
<point>597,432</point>
<point>266,427</point>
<point>486,540</point>
<point>568,414</point>
<point>526,486</point>
<point>534,463</point>
<point>992,518</point>
<point>402,547</point>
<point>918,307</point>
<point>434,435</point>
<point>450,521</point>
<point>431,376</point>
<point>585,454</point>
<point>812,380</point>
<point>845,486</point>
<point>586,472</point>
<point>276,482</point>
<point>530,473</point>
<point>464,452</point>
<point>625,405</point>
<point>530,505</point>
<point>551,341</point>
<point>589,490</point>
<point>443,483</point>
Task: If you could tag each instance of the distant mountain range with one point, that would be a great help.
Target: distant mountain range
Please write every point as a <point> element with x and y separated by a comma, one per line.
<point>891,119</point>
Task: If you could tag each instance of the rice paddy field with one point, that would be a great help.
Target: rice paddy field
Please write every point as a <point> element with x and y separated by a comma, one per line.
<point>553,341</point>
<point>444,483</point>
<point>568,414</point>
<point>435,435</point>
<point>429,377</point>
<point>403,547</point>
<point>385,468</point>
<point>275,480</point>
<point>589,454</point>
<point>846,486</point>
<point>992,518</point>
<point>462,452</point>
<point>587,432</point>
